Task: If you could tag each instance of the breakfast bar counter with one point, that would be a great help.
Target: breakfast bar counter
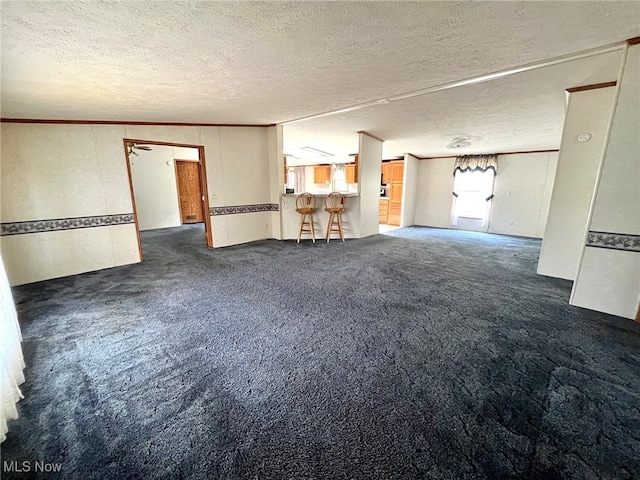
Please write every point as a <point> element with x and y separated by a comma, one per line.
<point>291,218</point>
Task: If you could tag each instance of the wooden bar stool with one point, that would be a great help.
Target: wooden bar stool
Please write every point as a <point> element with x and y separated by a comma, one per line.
<point>334,206</point>
<point>305,206</point>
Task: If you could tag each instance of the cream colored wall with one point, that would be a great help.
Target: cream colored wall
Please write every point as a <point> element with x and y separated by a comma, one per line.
<point>276,176</point>
<point>369,167</point>
<point>40,256</point>
<point>588,111</point>
<point>409,190</point>
<point>154,184</point>
<point>617,201</point>
<point>238,173</point>
<point>60,171</point>
<point>522,192</point>
<point>433,197</point>
<point>63,171</point>
<point>310,185</point>
<point>608,279</point>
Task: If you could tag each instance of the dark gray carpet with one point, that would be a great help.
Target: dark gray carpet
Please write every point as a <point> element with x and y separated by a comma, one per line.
<point>422,354</point>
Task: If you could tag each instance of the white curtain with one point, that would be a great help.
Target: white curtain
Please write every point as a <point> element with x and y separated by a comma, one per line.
<point>472,194</point>
<point>339,177</point>
<point>300,180</point>
<point>11,361</point>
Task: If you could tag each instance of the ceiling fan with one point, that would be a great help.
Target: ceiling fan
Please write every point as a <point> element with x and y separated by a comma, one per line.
<point>133,147</point>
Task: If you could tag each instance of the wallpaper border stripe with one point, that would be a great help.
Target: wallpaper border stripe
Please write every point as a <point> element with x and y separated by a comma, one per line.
<point>614,241</point>
<point>233,209</point>
<point>57,224</point>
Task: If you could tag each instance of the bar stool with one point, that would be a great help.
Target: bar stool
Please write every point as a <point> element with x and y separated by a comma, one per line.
<point>334,206</point>
<point>305,206</point>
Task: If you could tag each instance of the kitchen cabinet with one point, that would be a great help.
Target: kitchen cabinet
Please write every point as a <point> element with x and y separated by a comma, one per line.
<point>395,194</point>
<point>286,171</point>
<point>395,209</point>
<point>352,173</point>
<point>322,174</point>
<point>390,210</point>
<point>394,190</point>
<point>386,172</point>
<point>384,211</point>
<point>397,171</point>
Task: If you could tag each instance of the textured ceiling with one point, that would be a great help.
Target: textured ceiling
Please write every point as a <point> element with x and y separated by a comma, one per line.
<point>270,62</point>
<point>520,112</point>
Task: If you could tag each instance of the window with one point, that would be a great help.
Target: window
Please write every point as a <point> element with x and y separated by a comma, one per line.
<point>473,189</point>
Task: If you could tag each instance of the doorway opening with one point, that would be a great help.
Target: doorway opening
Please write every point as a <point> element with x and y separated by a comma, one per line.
<point>168,186</point>
<point>391,193</point>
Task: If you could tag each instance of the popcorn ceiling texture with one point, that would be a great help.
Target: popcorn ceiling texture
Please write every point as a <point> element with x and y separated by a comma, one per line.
<point>241,62</point>
<point>271,62</point>
<point>516,113</point>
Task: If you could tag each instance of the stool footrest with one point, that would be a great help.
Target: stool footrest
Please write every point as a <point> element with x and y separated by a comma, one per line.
<point>335,224</point>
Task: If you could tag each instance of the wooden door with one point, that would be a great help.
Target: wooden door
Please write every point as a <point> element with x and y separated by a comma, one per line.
<point>189,192</point>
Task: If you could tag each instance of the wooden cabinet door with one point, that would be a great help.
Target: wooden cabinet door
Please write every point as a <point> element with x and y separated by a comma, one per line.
<point>397,172</point>
<point>322,174</point>
<point>352,173</point>
<point>395,209</point>
<point>386,172</point>
<point>286,171</point>
<point>189,192</point>
<point>384,211</point>
<point>327,174</point>
<point>396,193</point>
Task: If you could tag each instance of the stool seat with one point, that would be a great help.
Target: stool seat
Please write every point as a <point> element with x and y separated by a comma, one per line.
<point>334,206</point>
<point>305,206</point>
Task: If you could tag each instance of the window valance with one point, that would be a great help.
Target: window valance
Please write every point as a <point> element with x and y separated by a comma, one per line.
<point>467,163</point>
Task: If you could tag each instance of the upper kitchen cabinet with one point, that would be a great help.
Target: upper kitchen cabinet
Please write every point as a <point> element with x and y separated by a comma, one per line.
<point>386,172</point>
<point>397,171</point>
<point>322,174</point>
<point>351,170</point>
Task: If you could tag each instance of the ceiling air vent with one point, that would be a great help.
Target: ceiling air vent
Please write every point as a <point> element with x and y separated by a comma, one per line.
<point>459,142</point>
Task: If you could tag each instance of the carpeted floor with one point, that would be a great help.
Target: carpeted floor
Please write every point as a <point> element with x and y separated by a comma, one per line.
<point>422,353</point>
